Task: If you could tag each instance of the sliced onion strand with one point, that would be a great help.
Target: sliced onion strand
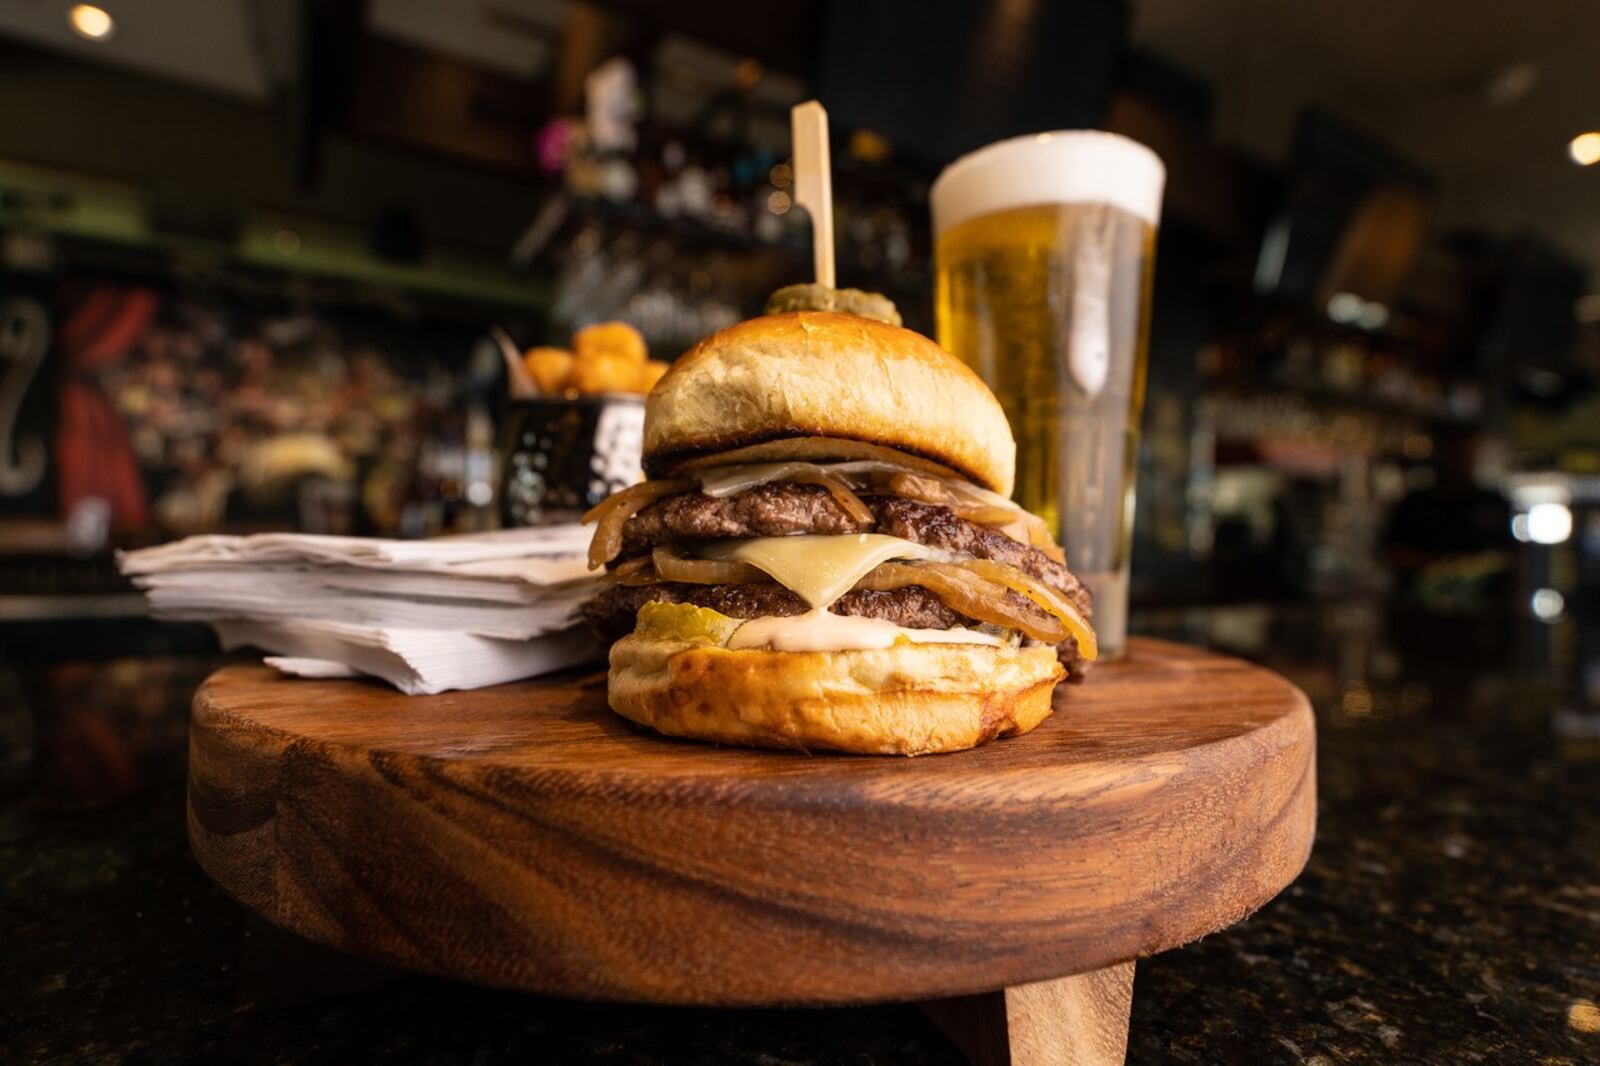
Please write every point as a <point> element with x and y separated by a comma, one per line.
<point>920,487</point>
<point>853,505</point>
<point>613,512</point>
<point>672,567</point>
<point>967,593</point>
<point>624,573</point>
<point>1041,594</point>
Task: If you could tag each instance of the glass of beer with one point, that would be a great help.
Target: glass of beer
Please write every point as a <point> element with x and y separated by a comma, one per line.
<point>1045,252</point>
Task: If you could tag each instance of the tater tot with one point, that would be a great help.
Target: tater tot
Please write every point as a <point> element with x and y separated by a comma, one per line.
<point>550,369</point>
<point>604,373</point>
<point>648,374</point>
<point>610,338</point>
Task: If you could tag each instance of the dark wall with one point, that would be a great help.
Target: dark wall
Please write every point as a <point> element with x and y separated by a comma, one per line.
<point>203,157</point>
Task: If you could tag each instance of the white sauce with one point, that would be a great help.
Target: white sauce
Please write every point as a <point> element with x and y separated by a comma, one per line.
<point>821,631</point>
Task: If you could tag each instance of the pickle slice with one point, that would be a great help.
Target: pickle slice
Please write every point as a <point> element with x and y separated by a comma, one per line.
<point>686,622</point>
<point>814,297</point>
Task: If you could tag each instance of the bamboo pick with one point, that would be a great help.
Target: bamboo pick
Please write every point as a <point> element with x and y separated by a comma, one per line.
<point>813,181</point>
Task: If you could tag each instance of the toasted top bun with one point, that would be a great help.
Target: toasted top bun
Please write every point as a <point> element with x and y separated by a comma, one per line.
<point>823,374</point>
<point>911,699</point>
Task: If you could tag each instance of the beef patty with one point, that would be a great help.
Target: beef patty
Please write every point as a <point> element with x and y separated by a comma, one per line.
<point>784,508</point>
<point>914,607</point>
<point>612,612</point>
<point>779,509</point>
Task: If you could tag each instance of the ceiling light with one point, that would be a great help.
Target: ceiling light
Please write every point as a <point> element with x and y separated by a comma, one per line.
<point>1549,523</point>
<point>1373,315</point>
<point>1547,605</point>
<point>1585,149</point>
<point>94,23</point>
<point>1345,307</point>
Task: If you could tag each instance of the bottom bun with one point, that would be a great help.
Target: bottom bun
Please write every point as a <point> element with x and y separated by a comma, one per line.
<point>911,699</point>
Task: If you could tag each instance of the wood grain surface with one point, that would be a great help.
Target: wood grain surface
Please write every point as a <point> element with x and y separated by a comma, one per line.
<point>524,836</point>
<point>1080,1020</point>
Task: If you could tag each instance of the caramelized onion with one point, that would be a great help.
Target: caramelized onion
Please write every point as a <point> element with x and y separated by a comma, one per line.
<point>1037,530</point>
<point>996,517</point>
<point>921,487</point>
<point>852,504</point>
<point>704,571</point>
<point>967,593</point>
<point>1043,595</point>
<point>613,512</point>
<point>981,506</point>
<point>631,572</point>
<point>1039,536</point>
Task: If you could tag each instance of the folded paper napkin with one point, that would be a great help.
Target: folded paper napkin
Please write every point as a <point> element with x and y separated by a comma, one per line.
<point>424,615</point>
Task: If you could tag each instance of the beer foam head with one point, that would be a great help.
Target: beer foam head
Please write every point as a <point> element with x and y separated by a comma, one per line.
<point>1064,167</point>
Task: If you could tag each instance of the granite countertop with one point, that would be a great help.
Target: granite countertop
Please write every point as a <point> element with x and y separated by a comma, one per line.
<point>1450,911</point>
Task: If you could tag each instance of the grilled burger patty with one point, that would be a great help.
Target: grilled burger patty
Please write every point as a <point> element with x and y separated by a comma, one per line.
<point>783,508</point>
<point>612,612</point>
<point>914,607</point>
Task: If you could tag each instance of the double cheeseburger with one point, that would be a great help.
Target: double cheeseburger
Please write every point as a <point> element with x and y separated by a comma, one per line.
<point>825,555</point>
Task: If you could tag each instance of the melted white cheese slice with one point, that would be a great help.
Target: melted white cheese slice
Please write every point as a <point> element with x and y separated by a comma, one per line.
<point>817,567</point>
<point>821,631</point>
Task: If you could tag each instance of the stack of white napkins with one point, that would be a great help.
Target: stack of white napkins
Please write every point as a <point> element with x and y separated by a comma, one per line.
<point>424,615</point>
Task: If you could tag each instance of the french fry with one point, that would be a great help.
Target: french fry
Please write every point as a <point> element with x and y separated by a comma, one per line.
<point>610,338</point>
<point>550,368</point>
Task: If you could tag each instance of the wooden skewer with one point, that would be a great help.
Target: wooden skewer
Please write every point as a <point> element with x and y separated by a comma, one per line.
<point>813,181</point>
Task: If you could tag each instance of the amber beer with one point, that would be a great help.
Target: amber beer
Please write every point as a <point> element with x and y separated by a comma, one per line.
<point>1044,248</point>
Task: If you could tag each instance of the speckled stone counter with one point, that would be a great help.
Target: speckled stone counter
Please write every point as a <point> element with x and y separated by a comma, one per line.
<point>1450,912</point>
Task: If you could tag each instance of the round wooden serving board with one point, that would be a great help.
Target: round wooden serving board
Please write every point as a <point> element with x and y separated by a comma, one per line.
<point>525,836</point>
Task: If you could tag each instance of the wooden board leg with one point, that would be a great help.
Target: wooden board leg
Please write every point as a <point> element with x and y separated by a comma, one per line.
<point>1072,1021</point>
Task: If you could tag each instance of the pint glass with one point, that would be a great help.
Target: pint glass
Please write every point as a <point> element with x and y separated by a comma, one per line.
<point>1044,251</point>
